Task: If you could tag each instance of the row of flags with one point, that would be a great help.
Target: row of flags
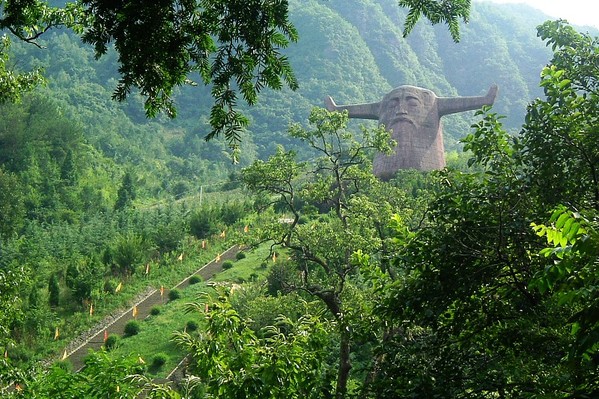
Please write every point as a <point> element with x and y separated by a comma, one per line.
<point>134,311</point>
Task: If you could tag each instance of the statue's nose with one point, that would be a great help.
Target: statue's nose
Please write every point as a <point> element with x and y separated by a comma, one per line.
<point>402,109</point>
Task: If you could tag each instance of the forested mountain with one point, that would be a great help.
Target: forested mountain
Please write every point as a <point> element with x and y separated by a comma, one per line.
<point>353,51</point>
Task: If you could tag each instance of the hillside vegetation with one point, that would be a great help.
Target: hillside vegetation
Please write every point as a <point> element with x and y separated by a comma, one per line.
<point>479,280</point>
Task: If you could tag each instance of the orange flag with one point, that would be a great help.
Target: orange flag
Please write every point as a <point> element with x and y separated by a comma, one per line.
<point>147,268</point>
<point>118,287</point>
<point>105,335</point>
<point>18,388</point>
<point>246,229</point>
<point>134,311</point>
<point>162,290</point>
<point>56,334</point>
<point>91,309</point>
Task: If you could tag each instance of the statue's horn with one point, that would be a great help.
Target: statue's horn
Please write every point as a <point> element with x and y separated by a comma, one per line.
<point>362,111</point>
<point>451,105</point>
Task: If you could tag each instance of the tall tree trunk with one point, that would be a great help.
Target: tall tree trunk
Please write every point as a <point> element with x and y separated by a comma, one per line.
<point>344,361</point>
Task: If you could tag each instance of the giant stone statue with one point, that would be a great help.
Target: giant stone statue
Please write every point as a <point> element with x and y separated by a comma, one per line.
<point>414,116</point>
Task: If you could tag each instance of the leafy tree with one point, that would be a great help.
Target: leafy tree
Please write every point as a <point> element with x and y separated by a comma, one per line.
<point>12,207</point>
<point>13,83</point>
<point>204,222</point>
<point>126,193</point>
<point>286,360</point>
<point>53,291</point>
<point>13,279</point>
<point>68,170</point>
<point>475,306</point>
<point>448,11</point>
<point>127,252</point>
<point>102,377</point>
<point>339,181</point>
<point>560,133</point>
<point>83,276</point>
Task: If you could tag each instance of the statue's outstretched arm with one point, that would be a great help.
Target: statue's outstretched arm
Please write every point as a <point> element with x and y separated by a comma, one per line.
<point>451,105</point>
<point>361,111</point>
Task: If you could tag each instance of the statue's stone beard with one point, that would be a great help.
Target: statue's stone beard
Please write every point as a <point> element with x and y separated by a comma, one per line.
<point>414,149</point>
<point>405,133</point>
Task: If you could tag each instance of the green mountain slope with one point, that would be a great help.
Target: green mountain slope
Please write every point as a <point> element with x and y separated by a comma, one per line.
<point>351,50</point>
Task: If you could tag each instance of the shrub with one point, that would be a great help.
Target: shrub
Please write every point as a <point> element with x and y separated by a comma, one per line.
<point>127,251</point>
<point>159,360</point>
<point>264,265</point>
<point>254,277</point>
<point>132,328</point>
<point>155,311</point>
<point>227,265</point>
<point>65,365</point>
<point>191,325</point>
<point>195,279</point>
<point>174,294</point>
<point>109,286</point>
<point>111,342</point>
<point>203,223</point>
<point>240,255</point>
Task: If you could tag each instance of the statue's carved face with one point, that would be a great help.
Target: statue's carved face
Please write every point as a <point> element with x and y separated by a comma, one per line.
<point>406,104</point>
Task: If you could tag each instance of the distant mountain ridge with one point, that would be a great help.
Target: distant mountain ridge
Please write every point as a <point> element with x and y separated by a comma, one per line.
<point>352,50</point>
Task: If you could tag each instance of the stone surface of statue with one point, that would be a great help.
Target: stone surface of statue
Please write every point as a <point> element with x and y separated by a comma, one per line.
<point>413,115</point>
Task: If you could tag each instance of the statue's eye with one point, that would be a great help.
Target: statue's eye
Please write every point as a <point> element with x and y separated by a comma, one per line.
<point>413,102</point>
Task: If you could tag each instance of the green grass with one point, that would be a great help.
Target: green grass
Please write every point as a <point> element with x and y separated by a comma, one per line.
<point>243,269</point>
<point>157,331</point>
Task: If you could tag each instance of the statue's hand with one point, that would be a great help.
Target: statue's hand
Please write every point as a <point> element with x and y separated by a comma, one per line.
<point>491,94</point>
<point>329,104</point>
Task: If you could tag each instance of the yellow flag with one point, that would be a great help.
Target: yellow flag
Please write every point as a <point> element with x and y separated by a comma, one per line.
<point>134,311</point>
<point>246,229</point>
<point>274,257</point>
<point>91,309</point>
<point>218,257</point>
<point>206,308</point>
<point>162,290</point>
<point>203,244</point>
<point>105,335</point>
<point>141,360</point>
<point>56,334</point>
<point>147,268</point>
<point>118,287</point>
<point>180,258</point>
<point>5,354</point>
<point>223,234</point>
<point>64,355</point>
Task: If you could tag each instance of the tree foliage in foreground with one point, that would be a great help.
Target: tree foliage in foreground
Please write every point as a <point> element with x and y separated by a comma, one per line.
<point>483,309</point>
<point>340,183</point>
<point>232,361</point>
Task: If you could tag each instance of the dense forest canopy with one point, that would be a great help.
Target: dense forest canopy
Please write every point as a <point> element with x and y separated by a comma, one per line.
<point>479,280</point>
